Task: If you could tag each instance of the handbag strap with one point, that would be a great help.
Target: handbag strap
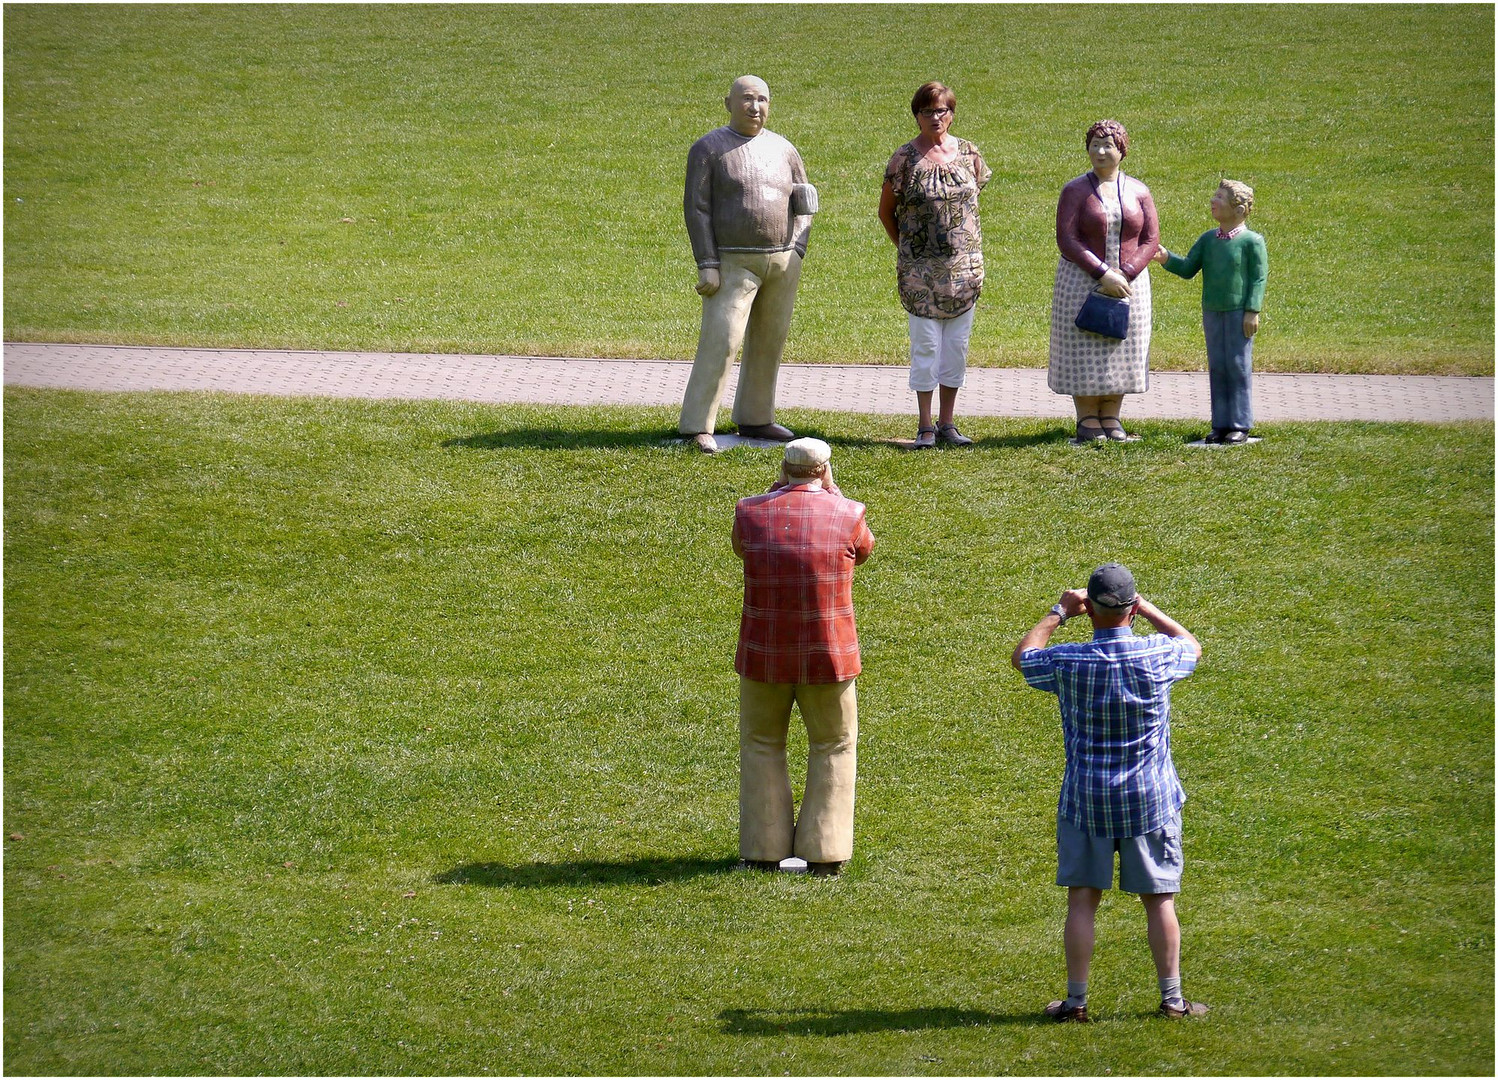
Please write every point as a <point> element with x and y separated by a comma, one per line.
<point>1092,179</point>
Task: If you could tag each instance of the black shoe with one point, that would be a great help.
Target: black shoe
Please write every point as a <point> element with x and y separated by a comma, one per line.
<point>825,869</point>
<point>948,433</point>
<point>1087,432</point>
<point>1235,438</point>
<point>777,432</point>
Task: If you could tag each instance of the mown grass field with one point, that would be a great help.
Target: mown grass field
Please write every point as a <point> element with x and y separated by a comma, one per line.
<point>508,179</point>
<point>396,738</point>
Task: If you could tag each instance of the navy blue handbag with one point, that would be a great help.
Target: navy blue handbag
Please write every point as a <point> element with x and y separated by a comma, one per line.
<point>1105,315</point>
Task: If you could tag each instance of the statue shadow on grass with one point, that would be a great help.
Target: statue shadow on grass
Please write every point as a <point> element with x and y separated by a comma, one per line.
<point>540,875</point>
<point>828,1022</point>
<point>585,439</point>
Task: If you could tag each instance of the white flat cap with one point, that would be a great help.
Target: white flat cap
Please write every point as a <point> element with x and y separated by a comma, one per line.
<point>807,453</point>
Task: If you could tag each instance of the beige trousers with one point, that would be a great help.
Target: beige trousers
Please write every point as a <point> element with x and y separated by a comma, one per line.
<point>825,831</point>
<point>752,307</point>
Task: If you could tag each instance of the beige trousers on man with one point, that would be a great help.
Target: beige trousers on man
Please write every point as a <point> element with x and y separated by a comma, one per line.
<point>766,828</point>
<point>752,307</point>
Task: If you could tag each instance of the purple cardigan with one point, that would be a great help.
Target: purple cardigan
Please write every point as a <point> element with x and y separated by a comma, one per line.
<point>1082,227</point>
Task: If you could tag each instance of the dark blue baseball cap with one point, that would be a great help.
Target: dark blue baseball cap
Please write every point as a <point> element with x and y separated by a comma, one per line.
<point>1111,586</point>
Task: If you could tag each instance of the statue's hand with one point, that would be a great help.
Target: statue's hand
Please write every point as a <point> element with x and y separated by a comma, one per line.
<point>708,280</point>
<point>1250,323</point>
<point>1114,284</point>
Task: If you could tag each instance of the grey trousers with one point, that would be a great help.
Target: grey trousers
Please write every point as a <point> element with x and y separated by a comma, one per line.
<point>1230,368</point>
<point>766,827</point>
<point>752,307</point>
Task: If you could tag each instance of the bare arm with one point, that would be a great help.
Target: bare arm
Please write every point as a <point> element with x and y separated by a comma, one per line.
<point>1073,602</point>
<point>1168,626</point>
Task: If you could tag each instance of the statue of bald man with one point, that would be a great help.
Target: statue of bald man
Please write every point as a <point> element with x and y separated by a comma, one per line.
<point>748,211</point>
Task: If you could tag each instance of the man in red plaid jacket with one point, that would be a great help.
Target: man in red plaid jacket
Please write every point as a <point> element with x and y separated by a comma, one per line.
<point>797,643</point>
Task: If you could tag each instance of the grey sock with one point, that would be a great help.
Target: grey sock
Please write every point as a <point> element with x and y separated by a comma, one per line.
<point>1170,989</point>
<point>1076,994</point>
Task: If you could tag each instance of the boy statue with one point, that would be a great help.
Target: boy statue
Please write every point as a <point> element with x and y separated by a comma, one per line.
<point>748,211</point>
<point>1234,267</point>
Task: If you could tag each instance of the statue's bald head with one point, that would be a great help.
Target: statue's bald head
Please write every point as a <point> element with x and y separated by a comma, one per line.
<point>744,81</point>
<point>748,104</point>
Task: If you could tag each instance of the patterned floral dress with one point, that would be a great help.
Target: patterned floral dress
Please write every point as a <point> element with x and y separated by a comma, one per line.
<point>939,265</point>
<point>1084,364</point>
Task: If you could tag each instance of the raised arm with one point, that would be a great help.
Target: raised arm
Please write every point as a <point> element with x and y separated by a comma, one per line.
<point>1189,265</point>
<point>1168,626</point>
<point>1073,602</point>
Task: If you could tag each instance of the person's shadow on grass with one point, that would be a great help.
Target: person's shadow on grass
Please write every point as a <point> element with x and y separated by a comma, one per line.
<point>557,439</point>
<point>584,872</point>
<point>829,1022</point>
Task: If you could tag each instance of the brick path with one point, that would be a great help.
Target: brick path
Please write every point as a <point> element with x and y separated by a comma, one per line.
<point>843,387</point>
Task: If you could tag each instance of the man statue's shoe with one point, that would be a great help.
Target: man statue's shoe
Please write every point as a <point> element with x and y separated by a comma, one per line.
<point>704,442</point>
<point>1214,438</point>
<point>1235,437</point>
<point>776,432</point>
<point>825,869</point>
<point>759,864</point>
<point>1181,1008</point>
<point>1067,1014</point>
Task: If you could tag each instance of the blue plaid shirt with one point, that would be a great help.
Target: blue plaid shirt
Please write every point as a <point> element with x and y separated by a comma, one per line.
<point>1114,693</point>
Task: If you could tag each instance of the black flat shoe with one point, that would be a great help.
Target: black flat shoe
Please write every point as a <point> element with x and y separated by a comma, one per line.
<point>777,432</point>
<point>1087,433</point>
<point>948,433</point>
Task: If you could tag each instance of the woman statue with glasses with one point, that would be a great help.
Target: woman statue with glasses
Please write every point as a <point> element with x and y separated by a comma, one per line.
<point>929,208</point>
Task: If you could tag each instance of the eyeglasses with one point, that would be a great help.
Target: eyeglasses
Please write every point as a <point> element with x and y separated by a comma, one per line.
<point>933,114</point>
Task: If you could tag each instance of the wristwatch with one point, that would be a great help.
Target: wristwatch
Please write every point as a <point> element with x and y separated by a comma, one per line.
<point>1060,613</point>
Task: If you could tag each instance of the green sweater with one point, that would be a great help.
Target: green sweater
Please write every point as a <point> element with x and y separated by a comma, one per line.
<point>1233,271</point>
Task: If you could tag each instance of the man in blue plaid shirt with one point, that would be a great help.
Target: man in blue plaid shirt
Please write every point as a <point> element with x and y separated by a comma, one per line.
<point>1120,792</point>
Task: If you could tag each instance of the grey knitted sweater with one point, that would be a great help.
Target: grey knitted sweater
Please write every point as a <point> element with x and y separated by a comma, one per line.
<point>738,195</point>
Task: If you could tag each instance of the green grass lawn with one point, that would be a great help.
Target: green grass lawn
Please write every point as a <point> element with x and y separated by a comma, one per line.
<point>348,737</point>
<point>508,179</point>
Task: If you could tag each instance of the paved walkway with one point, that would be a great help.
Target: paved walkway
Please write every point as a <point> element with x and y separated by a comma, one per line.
<point>860,388</point>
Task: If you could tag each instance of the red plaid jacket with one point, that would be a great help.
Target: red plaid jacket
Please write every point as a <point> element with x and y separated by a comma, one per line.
<point>799,546</point>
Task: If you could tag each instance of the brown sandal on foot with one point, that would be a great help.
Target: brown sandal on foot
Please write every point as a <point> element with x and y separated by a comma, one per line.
<point>1064,1013</point>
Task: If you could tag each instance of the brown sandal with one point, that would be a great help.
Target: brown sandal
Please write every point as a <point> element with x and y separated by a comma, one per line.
<point>1067,1014</point>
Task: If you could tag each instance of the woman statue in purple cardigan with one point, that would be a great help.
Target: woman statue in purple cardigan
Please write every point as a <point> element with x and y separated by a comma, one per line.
<point>1107,231</point>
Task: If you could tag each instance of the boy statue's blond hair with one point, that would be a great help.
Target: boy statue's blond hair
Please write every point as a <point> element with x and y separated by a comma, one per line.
<point>1242,195</point>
